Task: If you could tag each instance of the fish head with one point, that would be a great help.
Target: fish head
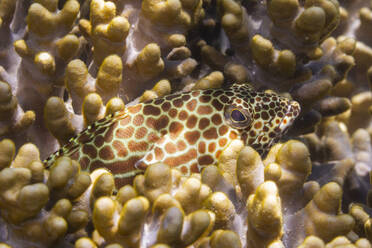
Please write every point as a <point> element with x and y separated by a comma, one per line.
<point>260,118</point>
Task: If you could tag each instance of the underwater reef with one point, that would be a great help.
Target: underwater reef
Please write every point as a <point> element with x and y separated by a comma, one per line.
<point>66,64</point>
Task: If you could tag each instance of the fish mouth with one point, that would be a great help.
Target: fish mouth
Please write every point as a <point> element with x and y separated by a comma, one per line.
<point>293,111</point>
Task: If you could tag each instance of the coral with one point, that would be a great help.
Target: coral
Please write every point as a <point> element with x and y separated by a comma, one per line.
<point>183,13</point>
<point>48,40</point>
<point>149,62</point>
<point>264,215</point>
<point>25,194</point>
<point>66,64</point>
<point>322,211</point>
<point>57,120</point>
<point>106,30</point>
<point>280,62</point>
<point>161,88</point>
<point>197,210</point>
<point>14,119</point>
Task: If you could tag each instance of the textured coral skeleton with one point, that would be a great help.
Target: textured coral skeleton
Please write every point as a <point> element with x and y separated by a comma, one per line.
<point>72,65</point>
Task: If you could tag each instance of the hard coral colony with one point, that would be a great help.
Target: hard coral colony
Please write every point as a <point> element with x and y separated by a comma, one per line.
<point>172,121</point>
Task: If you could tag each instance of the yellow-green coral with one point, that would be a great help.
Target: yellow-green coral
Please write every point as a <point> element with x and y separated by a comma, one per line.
<point>282,62</point>
<point>43,22</point>
<point>293,159</point>
<point>322,214</point>
<point>161,88</point>
<point>110,74</point>
<point>58,120</point>
<point>232,20</point>
<point>127,228</point>
<point>106,30</point>
<point>66,64</point>
<point>265,220</point>
<point>149,62</point>
<point>173,12</point>
<point>213,80</point>
<point>156,181</point>
<point>65,179</point>
<point>7,9</point>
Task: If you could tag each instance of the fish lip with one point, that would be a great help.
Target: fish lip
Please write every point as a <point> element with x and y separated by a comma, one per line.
<point>293,111</point>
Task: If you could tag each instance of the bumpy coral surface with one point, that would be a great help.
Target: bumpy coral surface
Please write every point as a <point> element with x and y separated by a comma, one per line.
<point>66,64</point>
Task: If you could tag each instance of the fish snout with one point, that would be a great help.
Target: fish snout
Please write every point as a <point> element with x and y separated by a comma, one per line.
<point>293,111</point>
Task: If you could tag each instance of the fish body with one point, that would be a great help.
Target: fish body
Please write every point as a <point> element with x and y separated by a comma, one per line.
<point>186,130</point>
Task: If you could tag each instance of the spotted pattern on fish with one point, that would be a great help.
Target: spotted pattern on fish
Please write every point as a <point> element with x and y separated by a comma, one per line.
<point>187,130</point>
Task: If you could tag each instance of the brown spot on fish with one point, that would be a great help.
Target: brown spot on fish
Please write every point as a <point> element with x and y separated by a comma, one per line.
<point>192,137</point>
<point>140,133</point>
<point>151,110</point>
<point>211,133</point>
<point>90,150</point>
<point>134,109</point>
<point>138,120</point>
<point>205,160</point>
<point>121,151</point>
<point>175,129</point>
<point>124,133</point>
<point>137,146</point>
<point>191,105</point>
<point>191,121</point>
<point>204,110</point>
<point>203,123</point>
<point>106,153</point>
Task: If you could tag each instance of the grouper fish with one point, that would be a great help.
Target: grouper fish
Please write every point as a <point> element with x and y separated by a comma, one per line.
<point>187,130</point>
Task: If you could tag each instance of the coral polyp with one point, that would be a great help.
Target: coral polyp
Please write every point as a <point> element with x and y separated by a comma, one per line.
<point>185,123</point>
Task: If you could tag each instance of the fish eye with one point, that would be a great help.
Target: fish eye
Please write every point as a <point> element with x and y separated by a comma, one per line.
<point>237,116</point>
